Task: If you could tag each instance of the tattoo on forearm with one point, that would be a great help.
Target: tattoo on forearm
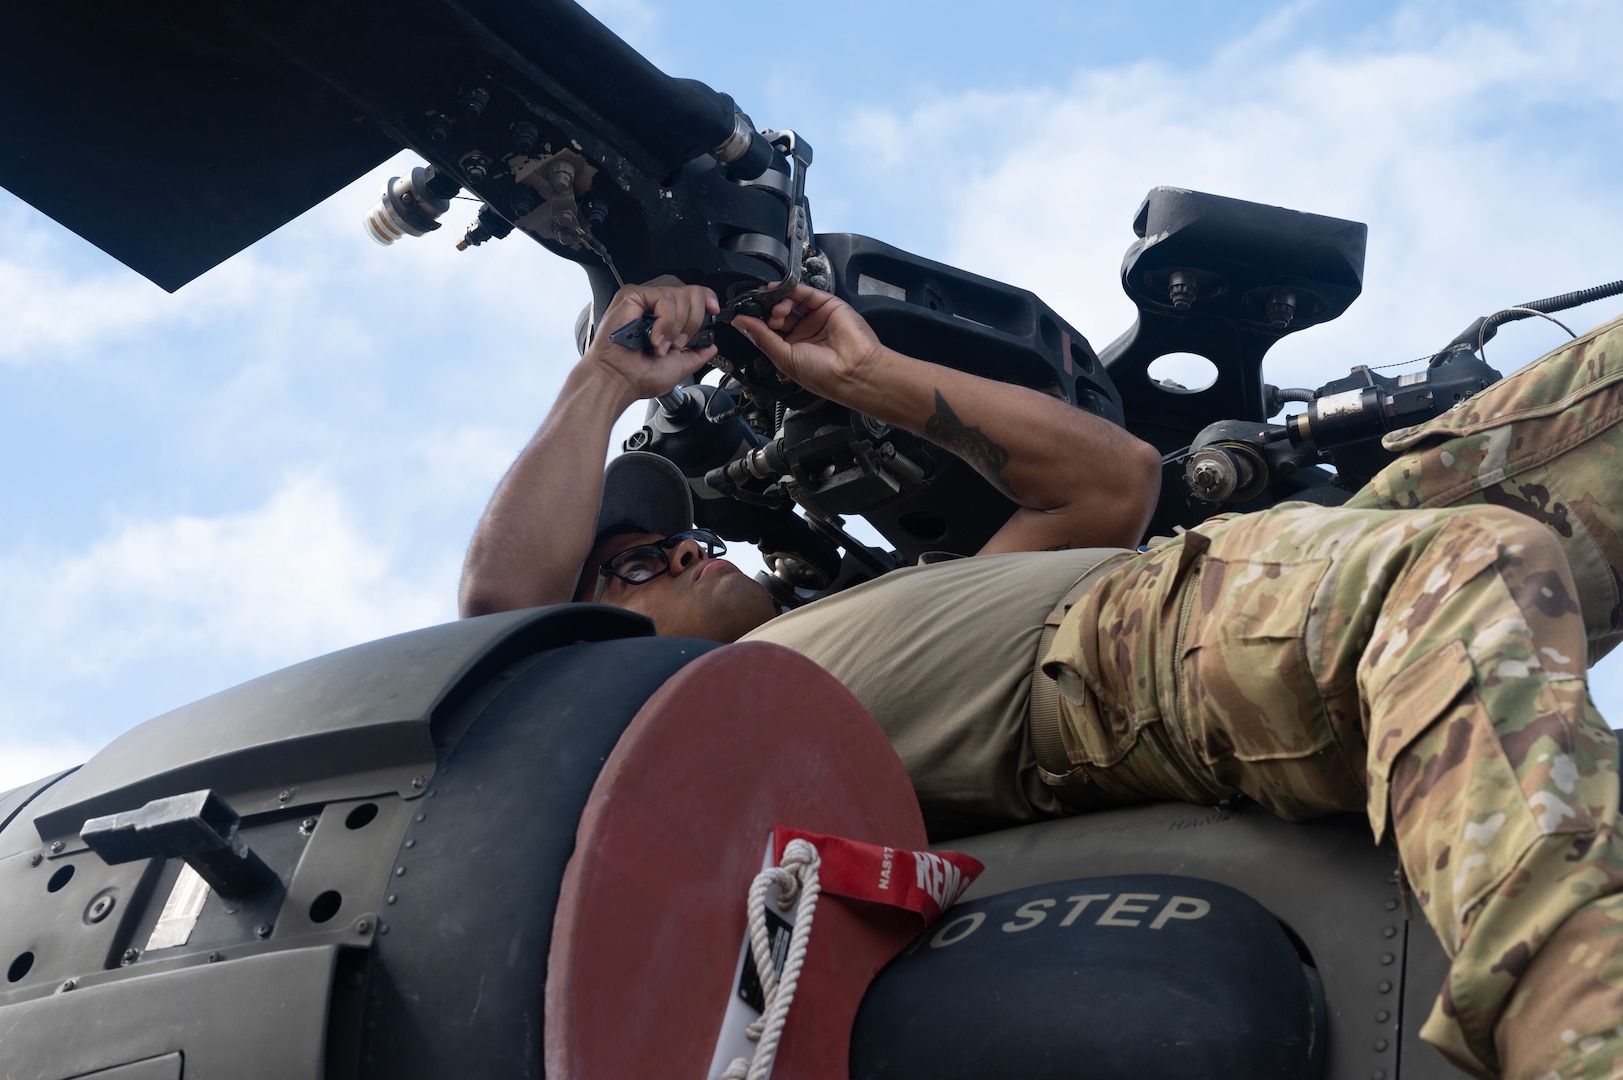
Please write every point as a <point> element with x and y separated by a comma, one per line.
<point>970,443</point>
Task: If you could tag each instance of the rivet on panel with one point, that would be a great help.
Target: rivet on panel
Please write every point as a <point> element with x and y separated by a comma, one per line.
<point>1380,1044</point>
<point>57,846</point>
<point>99,909</point>
<point>391,898</point>
<point>65,987</point>
<point>263,930</point>
<point>1387,958</point>
<point>1385,987</point>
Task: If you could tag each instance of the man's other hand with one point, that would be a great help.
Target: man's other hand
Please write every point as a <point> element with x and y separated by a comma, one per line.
<point>679,312</point>
<point>814,338</point>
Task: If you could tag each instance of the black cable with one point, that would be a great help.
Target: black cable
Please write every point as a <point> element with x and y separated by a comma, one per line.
<point>1553,304</point>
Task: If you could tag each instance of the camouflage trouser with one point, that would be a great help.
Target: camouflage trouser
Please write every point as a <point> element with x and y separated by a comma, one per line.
<point>1425,667</point>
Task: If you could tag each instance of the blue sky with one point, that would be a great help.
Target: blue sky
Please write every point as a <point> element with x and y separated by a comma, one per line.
<point>287,456</point>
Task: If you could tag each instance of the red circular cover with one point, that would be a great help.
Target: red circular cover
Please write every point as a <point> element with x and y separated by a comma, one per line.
<point>651,916</point>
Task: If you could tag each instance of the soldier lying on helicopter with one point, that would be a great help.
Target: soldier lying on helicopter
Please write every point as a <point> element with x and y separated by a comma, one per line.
<point>1425,667</point>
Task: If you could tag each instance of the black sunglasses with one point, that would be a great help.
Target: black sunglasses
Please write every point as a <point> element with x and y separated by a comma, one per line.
<point>645,562</point>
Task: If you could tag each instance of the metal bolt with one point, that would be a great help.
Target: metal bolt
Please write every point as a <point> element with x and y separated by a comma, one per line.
<point>100,908</point>
<point>1390,931</point>
<point>383,927</point>
<point>1387,958</point>
<point>1382,1017</point>
<point>639,439</point>
<point>439,127</point>
<point>391,898</point>
<point>363,927</point>
<point>1378,1074</point>
<point>473,102</point>
<point>263,930</point>
<point>524,136</point>
<point>215,958</point>
<point>411,843</point>
<point>66,986</point>
<point>130,956</point>
<point>1385,987</point>
<point>36,860</point>
<point>419,781</point>
<point>422,817</point>
<point>1380,1044</point>
<point>400,871</point>
<point>1280,309</point>
<point>560,176</point>
<point>284,796</point>
<point>57,846</point>
<point>1183,289</point>
<point>1391,905</point>
<point>433,792</point>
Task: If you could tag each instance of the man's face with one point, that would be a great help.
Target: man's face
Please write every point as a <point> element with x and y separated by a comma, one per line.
<point>698,596</point>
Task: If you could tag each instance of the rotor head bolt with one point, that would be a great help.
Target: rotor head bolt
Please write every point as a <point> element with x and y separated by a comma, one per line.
<point>1281,308</point>
<point>1183,289</point>
<point>473,102</point>
<point>439,127</point>
<point>560,176</point>
<point>525,136</point>
<point>57,846</point>
<point>263,930</point>
<point>130,956</point>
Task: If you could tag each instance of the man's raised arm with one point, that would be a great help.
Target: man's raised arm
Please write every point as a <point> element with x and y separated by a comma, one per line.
<point>537,530</point>
<point>1079,480</point>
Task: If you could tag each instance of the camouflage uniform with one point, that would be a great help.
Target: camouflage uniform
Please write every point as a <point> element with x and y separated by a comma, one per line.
<point>1425,667</point>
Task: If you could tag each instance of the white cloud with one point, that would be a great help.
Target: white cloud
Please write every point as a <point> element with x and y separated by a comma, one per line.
<point>23,759</point>
<point>1422,131</point>
<point>187,605</point>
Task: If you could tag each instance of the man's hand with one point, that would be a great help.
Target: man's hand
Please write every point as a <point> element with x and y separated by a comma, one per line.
<point>678,313</point>
<point>1043,453</point>
<point>814,338</point>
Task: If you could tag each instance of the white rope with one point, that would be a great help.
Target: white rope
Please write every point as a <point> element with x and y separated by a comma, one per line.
<point>794,876</point>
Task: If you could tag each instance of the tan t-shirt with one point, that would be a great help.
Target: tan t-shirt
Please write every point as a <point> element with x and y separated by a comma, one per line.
<point>942,656</point>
